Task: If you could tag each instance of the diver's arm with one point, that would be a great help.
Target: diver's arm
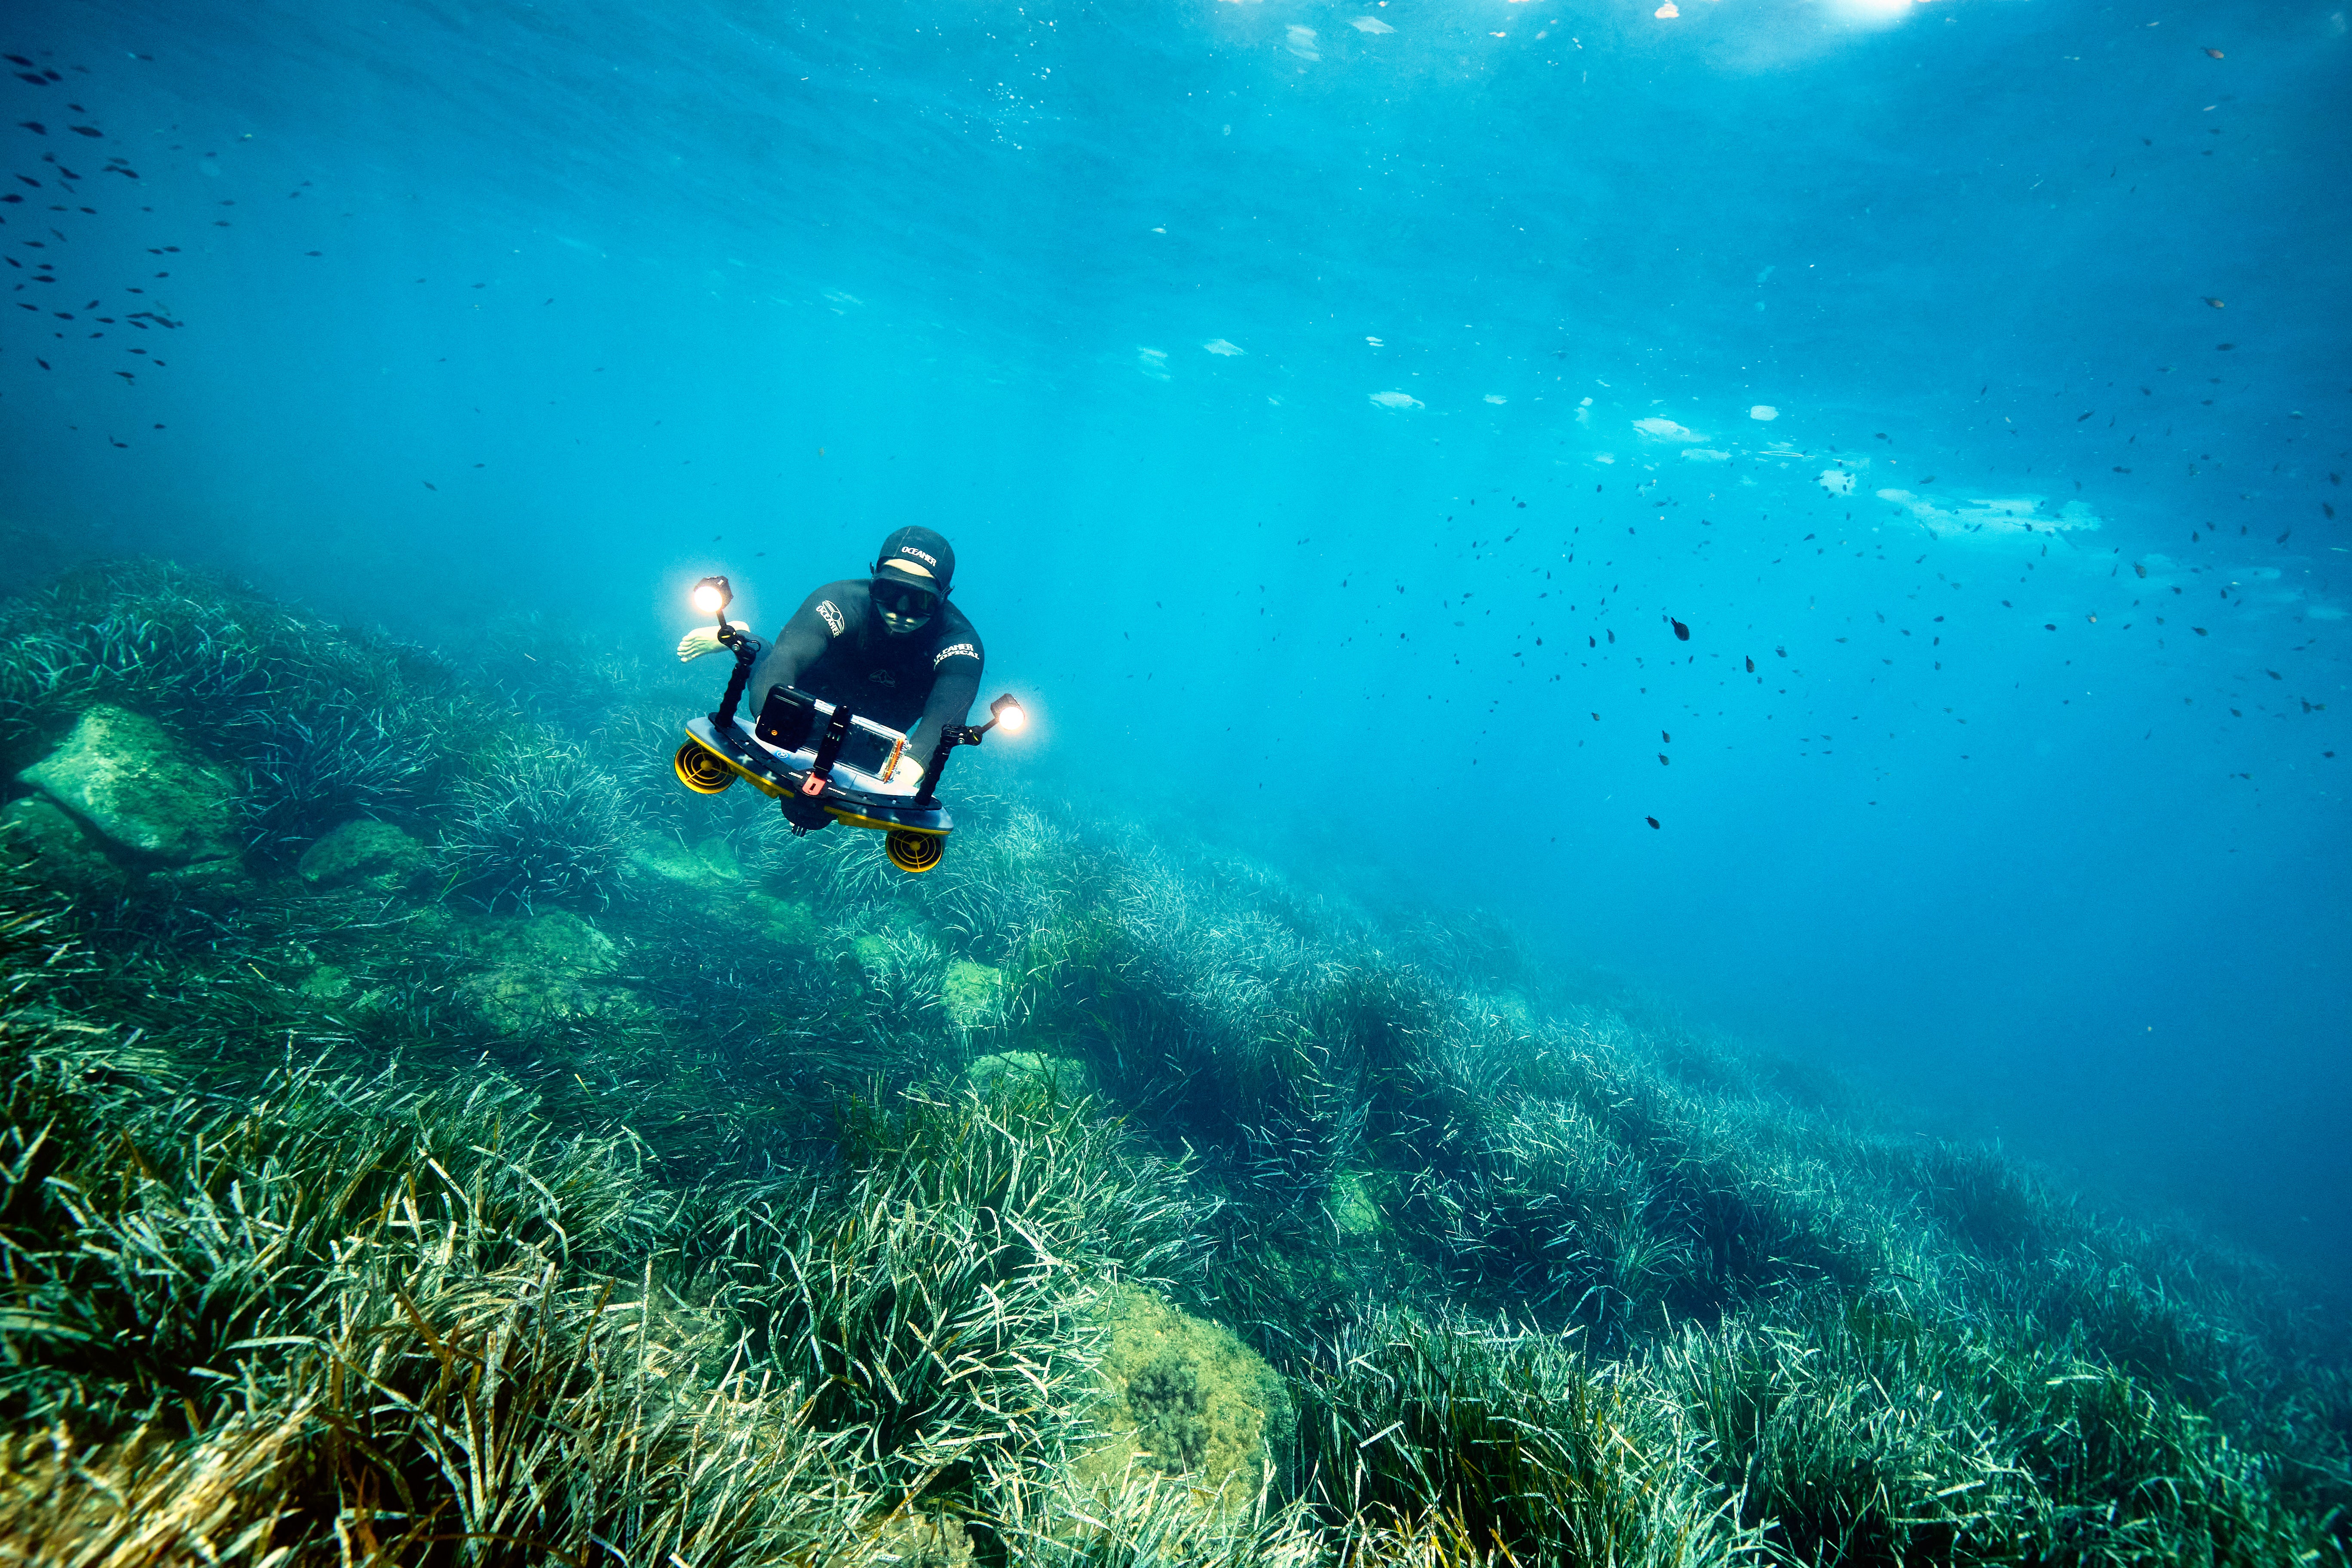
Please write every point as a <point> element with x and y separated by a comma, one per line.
<point>797,646</point>
<point>955,683</point>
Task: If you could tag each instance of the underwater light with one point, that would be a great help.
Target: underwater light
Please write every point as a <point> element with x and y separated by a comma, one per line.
<point>1006,711</point>
<point>712,595</point>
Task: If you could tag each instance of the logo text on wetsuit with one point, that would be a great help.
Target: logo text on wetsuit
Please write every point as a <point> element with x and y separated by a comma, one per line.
<point>831,615</point>
<point>965,649</point>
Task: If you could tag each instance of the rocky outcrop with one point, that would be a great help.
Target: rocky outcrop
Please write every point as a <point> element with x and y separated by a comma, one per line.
<point>1183,1396</point>
<point>546,969</point>
<point>372,855</point>
<point>1013,1071</point>
<point>973,994</point>
<point>145,792</point>
<point>44,837</point>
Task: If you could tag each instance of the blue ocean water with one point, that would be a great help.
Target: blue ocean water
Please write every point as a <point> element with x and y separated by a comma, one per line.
<point>1341,413</point>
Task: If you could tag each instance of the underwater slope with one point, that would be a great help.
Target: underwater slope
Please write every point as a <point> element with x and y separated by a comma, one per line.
<point>431,1135</point>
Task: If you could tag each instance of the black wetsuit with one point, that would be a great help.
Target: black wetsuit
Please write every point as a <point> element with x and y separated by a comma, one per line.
<point>835,647</point>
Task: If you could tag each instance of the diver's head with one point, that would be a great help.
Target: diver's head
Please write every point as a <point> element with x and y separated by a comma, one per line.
<point>910,578</point>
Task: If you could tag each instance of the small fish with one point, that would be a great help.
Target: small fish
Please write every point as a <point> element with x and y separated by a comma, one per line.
<point>2140,567</point>
<point>1669,739</point>
<point>2198,630</point>
<point>35,126</point>
<point>311,253</point>
<point>1682,632</point>
<point>18,61</point>
<point>85,131</point>
<point>1751,667</point>
<point>2212,302</point>
<point>429,485</point>
<point>2085,415</point>
<point>2215,54</point>
<point>1665,761</point>
<point>1651,820</point>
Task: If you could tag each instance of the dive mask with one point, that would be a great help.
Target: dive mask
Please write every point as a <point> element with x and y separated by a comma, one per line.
<point>903,606</point>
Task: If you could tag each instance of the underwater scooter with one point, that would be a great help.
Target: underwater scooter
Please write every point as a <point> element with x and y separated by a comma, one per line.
<point>805,752</point>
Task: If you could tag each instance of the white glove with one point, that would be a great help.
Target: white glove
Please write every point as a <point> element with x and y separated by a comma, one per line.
<point>704,639</point>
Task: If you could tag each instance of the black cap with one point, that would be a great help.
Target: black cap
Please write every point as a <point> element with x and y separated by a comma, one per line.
<point>931,558</point>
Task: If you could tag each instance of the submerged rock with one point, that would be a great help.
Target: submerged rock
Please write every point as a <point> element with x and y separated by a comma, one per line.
<point>371,853</point>
<point>135,783</point>
<point>711,863</point>
<point>547,968</point>
<point>789,921</point>
<point>1010,1070</point>
<point>1353,1210</point>
<point>913,1539</point>
<point>1184,1395</point>
<point>873,954</point>
<point>56,848</point>
<point>972,992</point>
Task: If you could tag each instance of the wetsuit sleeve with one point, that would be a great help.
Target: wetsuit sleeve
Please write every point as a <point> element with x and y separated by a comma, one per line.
<point>819,620</point>
<point>955,681</point>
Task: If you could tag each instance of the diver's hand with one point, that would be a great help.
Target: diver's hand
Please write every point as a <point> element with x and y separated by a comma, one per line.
<point>704,639</point>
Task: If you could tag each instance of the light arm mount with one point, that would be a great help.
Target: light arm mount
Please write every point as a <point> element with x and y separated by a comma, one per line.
<point>1004,711</point>
<point>712,597</point>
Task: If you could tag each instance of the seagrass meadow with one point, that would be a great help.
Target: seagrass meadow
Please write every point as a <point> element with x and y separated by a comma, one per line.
<point>431,1136</point>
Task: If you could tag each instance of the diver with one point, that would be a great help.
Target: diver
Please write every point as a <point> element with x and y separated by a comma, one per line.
<point>888,647</point>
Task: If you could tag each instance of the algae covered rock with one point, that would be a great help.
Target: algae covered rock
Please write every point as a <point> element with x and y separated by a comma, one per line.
<point>789,921</point>
<point>1353,1209</point>
<point>711,863</point>
<point>873,954</point>
<point>372,854</point>
<point>137,785</point>
<point>913,1539</point>
<point>41,834</point>
<point>331,985</point>
<point>546,969</point>
<point>1014,1069</point>
<point>1184,1395</point>
<point>973,994</point>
